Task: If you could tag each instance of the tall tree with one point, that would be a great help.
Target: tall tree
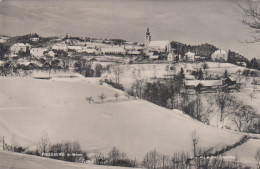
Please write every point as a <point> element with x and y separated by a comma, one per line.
<point>252,17</point>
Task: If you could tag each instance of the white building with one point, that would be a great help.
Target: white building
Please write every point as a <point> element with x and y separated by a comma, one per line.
<point>89,50</point>
<point>75,48</point>
<point>35,39</point>
<point>60,47</point>
<point>170,57</point>
<point>38,52</point>
<point>160,46</point>
<point>163,46</point>
<point>134,52</point>
<point>16,48</point>
<point>129,48</point>
<point>113,50</point>
<point>189,57</point>
<point>51,53</point>
<point>219,55</point>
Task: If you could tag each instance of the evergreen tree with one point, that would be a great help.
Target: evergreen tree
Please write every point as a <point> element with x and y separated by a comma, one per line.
<point>200,75</point>
<point>225,75</point>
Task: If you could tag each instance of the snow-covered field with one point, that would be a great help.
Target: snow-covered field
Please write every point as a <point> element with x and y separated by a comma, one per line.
<point>31,108</point>
<point>14,160</point>
<point>148,71</point>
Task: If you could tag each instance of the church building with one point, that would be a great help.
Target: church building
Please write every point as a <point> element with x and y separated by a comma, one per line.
<point>162,46</point>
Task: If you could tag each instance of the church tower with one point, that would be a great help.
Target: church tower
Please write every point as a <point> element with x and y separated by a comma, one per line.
<point>147,38</point>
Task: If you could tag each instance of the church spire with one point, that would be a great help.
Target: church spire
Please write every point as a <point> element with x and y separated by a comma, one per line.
<point>148,32</point>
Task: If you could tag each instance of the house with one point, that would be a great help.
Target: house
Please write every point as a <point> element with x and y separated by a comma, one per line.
<point>129,48</point>
<point>229,81</point>
<point>35,39</point>
<point>197,58</point>
<point>97,40</point>
<point>154,56</point>
<point>219,56</point>
<point>113,50</point>
<point>89,50</point>
<point>134,52</point>
<point>170,57</point>
<point>203,85</point>
<point>138,48</point>
<point>51,54</point>
<point>60,47</point>
<point>189,57</point>
<point>38,52</point>
<point>19,47</point>
<point>75,48</point>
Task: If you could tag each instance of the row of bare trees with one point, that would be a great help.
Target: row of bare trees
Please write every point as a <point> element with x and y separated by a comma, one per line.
<point>201,158</point>
<point>67,150</point>
<point>115,158</point>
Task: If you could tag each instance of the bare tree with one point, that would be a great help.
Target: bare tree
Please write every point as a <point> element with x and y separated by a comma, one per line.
<point>102,97</point>
<point>244,118</point>
<point>90,99</point>
<point>226,103</point>
<point>114,155</point>
<point>195,140</point>
<point>116,95</point>
<point>152,160</point>
<point>118,71</point>
<point>257,158</point>
<point>252,18</point>
<point>252,94</point>
<point>43,144</point>
<point>128,95</point>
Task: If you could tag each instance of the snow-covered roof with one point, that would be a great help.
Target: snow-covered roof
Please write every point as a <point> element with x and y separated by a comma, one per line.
<point>189,54</point>
<point>206,83</point>
<point>160,44</point>
<point>138,47</point>
<point>134,52</point>
<point>220,52</point>
<point>75,47</point>
<point>154,57</point>
<point>129,47</point>
<point>113,49</point>
<point>39,49</point>
<point>20,44</point>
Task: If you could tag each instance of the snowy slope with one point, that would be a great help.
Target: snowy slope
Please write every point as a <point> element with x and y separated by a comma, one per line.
<point>31,108</point>
<point>14,160</point>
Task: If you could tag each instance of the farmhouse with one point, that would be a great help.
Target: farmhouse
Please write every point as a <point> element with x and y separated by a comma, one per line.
<point>219,56</point>
<point>38,52</point>
<point>203,85</point>
<point>189,57</point>
<point>35,39</point>
<point>16,48</point>
<point>170,57</point>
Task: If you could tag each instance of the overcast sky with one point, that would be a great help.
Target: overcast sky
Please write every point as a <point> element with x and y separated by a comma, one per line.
<point>189,21</point>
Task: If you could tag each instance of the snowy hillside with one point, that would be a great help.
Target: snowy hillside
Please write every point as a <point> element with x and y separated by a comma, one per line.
<point>14,160</point>
<point>31,108</point>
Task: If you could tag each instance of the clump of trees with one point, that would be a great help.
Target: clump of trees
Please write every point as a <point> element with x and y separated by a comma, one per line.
<point>67,150</point>
<point>115,158</point>
<point>86,68</point>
